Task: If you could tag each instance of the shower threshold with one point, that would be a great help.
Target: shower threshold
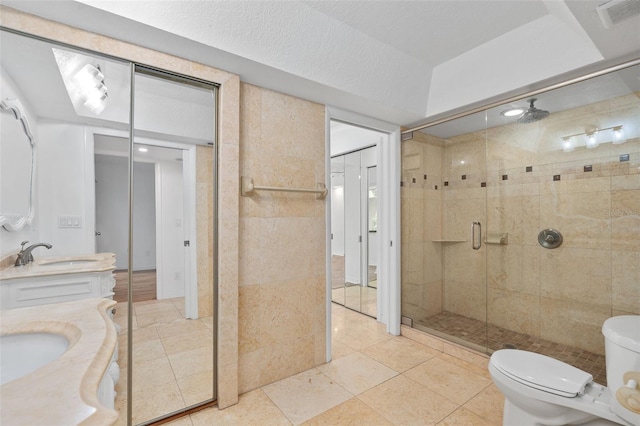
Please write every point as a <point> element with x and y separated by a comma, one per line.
<point>488,338</point>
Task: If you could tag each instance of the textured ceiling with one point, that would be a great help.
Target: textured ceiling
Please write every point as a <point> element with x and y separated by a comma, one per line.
<point>399,61</point>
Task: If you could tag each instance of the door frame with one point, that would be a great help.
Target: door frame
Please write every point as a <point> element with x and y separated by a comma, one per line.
<point>189,182</point>
<point>388,156</point>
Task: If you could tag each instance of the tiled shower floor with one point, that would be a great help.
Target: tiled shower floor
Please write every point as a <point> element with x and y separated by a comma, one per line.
<point>477,333</point>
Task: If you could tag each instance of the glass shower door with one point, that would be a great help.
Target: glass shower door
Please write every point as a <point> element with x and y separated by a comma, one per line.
<point>569,171</point>
<point>444,184</point>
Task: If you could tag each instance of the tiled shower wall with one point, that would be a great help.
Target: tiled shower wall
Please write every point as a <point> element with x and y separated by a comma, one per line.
<point>516,179</point>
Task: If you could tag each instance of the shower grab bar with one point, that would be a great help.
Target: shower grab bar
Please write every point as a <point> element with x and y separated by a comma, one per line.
<point>473,235</point>
<point>249,189</point>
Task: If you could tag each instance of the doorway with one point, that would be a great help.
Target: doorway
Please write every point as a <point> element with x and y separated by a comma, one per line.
<point>159,268</point>
<point>385,138</point>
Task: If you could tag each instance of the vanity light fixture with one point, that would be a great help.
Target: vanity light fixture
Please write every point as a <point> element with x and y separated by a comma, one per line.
<point>143,149</point>
<point>83,80</point>
<point>592,138</point>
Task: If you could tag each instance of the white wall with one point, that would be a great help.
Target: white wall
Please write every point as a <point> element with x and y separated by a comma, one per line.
<point>62,175</point>
<point>170,229</point>
<point>112,211</point>
<point>352,218</point>
<point>10,241</point>
<point>337,214</point>
<point>144,216</point>
<point>368,159</point>
<point>348,138</point>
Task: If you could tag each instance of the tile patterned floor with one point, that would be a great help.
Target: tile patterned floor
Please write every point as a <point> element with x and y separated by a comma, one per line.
<point>172,359</point>
<point>374,379</point>
<point>363,299</point>
<point>476,332</point>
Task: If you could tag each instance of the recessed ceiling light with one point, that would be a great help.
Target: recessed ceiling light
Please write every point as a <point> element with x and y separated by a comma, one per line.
<point>513,112</point>
<point>142,149</point>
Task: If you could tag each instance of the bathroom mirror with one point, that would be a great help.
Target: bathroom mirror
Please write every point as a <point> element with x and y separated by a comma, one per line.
<point>17,166</point>
<point>93,154</point>
<point>372,199</point>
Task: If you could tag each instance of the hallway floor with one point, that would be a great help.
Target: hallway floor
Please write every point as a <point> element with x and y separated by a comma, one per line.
<point>374,379</point>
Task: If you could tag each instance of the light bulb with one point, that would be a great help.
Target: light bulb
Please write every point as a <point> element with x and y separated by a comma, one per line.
<point>618,135</point>
<point>592,139</point>
<point>567,144</point>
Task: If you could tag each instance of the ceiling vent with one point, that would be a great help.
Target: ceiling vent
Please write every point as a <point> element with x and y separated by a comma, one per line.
<point>615,11</point>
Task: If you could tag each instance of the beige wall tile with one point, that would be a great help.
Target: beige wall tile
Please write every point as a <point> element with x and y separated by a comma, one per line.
<point>518,216</point>
<point>582,217</point>
<point>515,311</point>
<point>282,236</point>
<point>575,324</point>
<point>513,267</point>
<point>249,367</point>
<point>625,222</point>
<point>249,318</point>
<point>573,274</point>
<point>625,270</point>
<point>465,156</point>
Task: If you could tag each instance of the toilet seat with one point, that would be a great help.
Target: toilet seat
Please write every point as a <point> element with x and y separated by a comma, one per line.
<point>541,372</point>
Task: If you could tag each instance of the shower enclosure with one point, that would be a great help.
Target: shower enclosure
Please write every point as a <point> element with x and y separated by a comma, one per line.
<point>480,196</point>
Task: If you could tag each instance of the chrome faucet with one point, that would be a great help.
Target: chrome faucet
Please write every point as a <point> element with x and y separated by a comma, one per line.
<point>25,256</point>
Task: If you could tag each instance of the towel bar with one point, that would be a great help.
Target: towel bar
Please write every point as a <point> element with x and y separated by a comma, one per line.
<point>248,189</point>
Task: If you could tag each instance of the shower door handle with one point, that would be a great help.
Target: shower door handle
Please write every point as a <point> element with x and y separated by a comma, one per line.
<point>473,235</point>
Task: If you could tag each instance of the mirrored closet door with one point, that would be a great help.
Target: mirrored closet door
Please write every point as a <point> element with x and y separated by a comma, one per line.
<point>354,230</point>
<point>124,163</point>
<point>172,262</point>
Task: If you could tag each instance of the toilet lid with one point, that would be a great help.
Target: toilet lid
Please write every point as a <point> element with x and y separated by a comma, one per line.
<point>541,372</point>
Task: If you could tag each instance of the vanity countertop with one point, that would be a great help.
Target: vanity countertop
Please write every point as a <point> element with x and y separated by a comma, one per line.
<point>57,265</point>
<point>63,392</point>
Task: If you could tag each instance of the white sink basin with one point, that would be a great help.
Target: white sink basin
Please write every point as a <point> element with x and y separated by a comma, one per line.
<point>68,262</point>
<point>20,354</point>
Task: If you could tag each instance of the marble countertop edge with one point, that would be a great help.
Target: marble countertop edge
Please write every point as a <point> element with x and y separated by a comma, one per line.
<point>65,390</point>
<point>57,265</point>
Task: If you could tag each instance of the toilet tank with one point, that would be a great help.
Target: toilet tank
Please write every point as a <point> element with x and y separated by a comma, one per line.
<point>622,349</point>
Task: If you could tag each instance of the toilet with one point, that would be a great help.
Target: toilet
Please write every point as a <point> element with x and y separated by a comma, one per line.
<point>540,390</point>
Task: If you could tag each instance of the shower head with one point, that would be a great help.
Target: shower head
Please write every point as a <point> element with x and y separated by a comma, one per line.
<point>533,113</point>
